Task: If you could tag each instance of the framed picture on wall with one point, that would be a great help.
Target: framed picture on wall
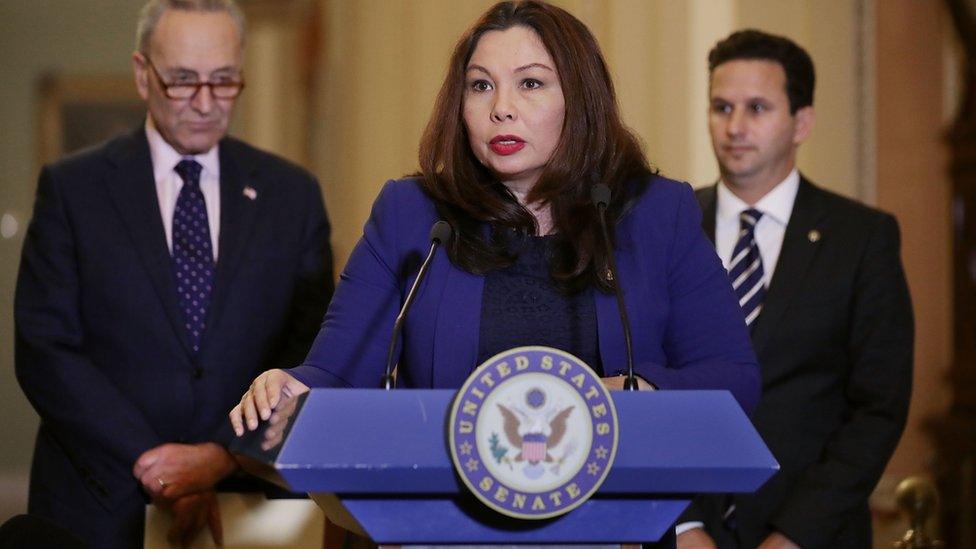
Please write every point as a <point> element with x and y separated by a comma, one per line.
<point>78,111</point>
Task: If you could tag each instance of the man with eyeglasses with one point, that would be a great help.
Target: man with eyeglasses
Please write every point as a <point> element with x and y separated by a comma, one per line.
<point>162,271</point>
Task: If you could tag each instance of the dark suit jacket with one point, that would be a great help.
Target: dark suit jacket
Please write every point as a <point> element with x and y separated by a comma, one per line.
<point>101,351</point>
<point>835,343</point>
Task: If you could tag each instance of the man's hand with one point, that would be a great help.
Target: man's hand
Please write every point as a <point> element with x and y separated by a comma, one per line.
<point>778,541</point>
<point>616,383</point>
<point>696,538</point>
<point>261,398</point>
<point>171,471</point>
<point>190,514</point>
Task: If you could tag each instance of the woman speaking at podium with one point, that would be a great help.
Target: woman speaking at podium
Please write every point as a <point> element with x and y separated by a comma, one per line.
<point>525,126</point>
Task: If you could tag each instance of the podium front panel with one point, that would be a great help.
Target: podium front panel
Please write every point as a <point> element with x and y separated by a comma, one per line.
<point>375,441</point>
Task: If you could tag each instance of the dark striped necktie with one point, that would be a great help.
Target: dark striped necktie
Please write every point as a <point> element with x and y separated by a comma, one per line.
<point>746,268</point>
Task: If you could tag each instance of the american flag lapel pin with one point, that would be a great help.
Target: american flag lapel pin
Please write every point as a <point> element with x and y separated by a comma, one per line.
<point>250,193</point>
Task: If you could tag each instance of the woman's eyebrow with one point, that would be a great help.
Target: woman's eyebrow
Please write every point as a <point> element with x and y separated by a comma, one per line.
<point>533,66</point>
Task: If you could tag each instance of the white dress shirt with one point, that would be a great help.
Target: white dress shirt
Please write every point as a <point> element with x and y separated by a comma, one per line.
<point>776,207</point>
<point>168,183</point>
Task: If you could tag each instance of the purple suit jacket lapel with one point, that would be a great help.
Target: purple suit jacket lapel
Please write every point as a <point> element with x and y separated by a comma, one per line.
<point>457,325</point>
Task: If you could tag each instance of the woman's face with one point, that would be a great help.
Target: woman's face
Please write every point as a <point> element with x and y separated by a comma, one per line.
<point>513,106</point>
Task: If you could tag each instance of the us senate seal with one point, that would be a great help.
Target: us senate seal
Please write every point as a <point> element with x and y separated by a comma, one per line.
<point>533,432</point>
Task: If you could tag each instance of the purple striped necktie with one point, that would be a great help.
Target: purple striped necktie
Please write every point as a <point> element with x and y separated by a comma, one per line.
<point>746,268</point>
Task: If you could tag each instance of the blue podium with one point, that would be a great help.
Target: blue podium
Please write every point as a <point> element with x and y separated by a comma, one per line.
<point>378,464</point>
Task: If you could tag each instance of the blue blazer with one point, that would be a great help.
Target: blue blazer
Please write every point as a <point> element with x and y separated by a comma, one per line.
<point>688,330</point>
<point>101,351</point>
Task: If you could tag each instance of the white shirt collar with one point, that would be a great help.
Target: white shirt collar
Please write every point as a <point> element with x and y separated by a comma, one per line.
<point>165,157</point>
<point>776,204</point>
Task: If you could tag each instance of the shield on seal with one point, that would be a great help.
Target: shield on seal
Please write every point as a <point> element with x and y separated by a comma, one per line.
<point>534,447</point>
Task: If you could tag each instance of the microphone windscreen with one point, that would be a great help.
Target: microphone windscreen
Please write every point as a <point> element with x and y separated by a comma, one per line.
<point>441,232</point>
<point>600,194</point>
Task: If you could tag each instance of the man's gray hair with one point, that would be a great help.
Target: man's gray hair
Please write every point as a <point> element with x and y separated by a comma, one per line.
<point>151,13</point>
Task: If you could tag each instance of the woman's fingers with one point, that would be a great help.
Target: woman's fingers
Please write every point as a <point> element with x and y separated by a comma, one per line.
<point>236,419</point>
<point>261,399</point>
<point>275,380</point>
<point>249,410</point>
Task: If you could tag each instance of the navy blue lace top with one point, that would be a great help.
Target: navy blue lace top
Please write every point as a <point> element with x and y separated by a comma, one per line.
<point>522,305</point>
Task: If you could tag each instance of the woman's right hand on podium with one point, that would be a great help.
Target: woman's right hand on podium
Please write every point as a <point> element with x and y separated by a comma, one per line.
<point>261,398</point>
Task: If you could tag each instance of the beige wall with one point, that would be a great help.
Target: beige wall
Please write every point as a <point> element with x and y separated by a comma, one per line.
<point>913,183</point>
<point>381,67</point>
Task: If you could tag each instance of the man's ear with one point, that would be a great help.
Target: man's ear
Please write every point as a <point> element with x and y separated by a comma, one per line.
<point>805,119</point>
<point>140,70</point>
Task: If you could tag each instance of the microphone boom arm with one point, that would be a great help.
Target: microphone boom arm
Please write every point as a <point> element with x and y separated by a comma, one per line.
<point>601,198</point>
<point>440,233</point>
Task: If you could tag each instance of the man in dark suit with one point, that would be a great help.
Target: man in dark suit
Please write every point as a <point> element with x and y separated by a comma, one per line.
<point>821,285</point>
<point>161,273</point>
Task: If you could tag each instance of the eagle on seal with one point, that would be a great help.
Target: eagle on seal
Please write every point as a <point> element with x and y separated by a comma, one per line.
<point>533,433</point>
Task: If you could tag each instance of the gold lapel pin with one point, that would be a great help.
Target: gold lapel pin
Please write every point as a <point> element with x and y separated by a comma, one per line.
<point>250,193</point>
<point>813,235</point>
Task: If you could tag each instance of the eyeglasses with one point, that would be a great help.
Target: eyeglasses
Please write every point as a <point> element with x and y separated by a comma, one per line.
<point>221,89</point>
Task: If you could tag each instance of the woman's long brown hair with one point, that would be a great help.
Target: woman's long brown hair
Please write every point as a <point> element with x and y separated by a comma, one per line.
<point>594,147</point>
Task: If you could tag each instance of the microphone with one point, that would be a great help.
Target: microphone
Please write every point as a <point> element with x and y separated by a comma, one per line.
<point>440,234</point>
<point>600,194</point>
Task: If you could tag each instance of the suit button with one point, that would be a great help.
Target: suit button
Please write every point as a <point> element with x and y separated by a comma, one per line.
<point>197,373</point>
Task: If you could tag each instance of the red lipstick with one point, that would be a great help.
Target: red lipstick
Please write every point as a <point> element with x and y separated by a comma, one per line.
<point>505,145</point>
